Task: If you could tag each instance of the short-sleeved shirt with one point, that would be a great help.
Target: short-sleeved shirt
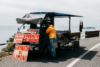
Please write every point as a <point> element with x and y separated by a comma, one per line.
<point>51,31</point>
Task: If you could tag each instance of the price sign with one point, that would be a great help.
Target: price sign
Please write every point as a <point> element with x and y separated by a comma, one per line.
<point>31,38</point>
<point>31,30</point>
<point>18,38</point>
<point>21,52</point>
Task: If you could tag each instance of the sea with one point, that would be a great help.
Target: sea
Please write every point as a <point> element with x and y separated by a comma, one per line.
<point>8,31</point>
<point>5,33</point>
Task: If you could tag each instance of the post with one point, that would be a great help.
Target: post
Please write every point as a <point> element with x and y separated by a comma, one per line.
<point>69,22</point>
<point>52,16</point>
<point>53,21</point>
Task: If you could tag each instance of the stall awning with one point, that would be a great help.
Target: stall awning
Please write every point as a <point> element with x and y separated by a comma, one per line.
<point>56,14</point>
<point>31,18</point>
<point>37,17</point>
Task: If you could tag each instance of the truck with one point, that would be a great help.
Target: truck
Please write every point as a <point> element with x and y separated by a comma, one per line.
<point>33,27</point>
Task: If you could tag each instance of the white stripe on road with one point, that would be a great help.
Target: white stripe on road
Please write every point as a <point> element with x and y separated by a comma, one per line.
<point>76,60</point>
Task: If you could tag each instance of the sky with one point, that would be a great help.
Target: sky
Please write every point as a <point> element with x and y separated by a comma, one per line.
<point>90,9</point>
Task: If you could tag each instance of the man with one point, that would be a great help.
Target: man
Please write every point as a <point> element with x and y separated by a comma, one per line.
<point>52,36</point>
<point>81,26</point>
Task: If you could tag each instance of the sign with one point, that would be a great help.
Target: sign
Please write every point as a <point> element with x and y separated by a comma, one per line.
<point>31,30</point>
<point>31,38</point>
<point>21,52</point>
<point>18,38</point>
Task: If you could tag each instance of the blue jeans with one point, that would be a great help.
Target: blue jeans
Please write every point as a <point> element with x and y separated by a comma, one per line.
<point>51,47</point>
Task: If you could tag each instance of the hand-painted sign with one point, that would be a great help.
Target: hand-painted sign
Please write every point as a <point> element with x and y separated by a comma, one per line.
<point>31,30</point>
<point>18,38</point>
<point>21,52</point>
<point>31,38</point>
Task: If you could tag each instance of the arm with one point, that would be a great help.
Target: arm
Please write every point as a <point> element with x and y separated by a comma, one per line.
<point>48,30</point>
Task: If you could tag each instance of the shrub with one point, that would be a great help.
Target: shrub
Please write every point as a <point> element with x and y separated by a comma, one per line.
<point>9,47</point>
<point>11,39</point>
<point>3,49</point>
<point>0,55</point>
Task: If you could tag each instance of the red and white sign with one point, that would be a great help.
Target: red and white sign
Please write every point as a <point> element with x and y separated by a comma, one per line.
<point>31,30</point>
<point>21,52</point>
<point>18,38</point>
<point>31,38</point>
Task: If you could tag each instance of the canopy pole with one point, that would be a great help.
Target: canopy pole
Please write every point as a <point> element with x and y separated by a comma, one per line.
<point>69,22</point>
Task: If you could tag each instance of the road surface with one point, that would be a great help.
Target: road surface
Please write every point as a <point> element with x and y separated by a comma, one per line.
<point>88,55</point>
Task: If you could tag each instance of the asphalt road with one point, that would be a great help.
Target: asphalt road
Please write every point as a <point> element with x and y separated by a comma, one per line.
<point>67,57</point>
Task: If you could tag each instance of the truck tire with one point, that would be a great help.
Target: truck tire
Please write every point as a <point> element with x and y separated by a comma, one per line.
<point>76,44</point>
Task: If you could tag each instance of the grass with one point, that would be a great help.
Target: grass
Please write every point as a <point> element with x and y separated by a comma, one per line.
<point>1,55</point>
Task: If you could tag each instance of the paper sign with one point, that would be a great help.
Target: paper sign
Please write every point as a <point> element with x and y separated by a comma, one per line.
<point>31,38</point>
<point>18,38</point>
<point>31,30</point>
<point>21,52</point>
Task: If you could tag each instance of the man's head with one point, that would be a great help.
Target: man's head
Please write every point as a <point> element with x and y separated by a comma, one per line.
<point>48,23</point>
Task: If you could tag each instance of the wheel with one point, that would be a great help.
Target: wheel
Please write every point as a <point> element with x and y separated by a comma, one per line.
<point>76,44</point>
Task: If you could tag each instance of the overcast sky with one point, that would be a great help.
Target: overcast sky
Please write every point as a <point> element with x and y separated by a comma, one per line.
<point>90,9</point>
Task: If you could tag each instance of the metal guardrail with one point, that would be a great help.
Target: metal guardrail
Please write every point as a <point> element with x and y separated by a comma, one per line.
<point>92,33</point>
<point>3,44</point>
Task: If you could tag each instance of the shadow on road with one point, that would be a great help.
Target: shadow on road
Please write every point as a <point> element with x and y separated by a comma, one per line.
<point>65,54</point>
